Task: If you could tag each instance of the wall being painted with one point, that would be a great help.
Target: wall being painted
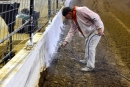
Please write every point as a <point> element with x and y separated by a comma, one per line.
<point>24,69</point>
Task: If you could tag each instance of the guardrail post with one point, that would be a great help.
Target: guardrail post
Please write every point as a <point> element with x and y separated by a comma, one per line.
<point>31,21</point>
<point>49,10</point>
<point>56,5</point>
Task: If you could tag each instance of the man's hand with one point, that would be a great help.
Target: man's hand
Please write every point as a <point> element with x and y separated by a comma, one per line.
<point>64,44</point>
<point>100,32</point>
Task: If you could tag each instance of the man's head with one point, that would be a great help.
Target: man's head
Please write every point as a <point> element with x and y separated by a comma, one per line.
<point>67,13</point>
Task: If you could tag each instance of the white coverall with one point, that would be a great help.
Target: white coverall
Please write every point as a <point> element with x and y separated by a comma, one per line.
<point>89,22</point>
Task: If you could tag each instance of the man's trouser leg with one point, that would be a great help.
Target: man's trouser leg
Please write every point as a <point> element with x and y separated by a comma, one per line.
<point>90,49</point>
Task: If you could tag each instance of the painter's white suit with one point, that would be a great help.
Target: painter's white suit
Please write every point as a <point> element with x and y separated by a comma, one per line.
<point>90,49</point>
<point>89,22</point>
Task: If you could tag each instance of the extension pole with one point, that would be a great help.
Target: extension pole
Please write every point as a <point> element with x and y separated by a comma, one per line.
<point>31,21</point>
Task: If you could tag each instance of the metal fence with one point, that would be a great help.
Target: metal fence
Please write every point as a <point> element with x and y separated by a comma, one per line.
<point>20,20</point>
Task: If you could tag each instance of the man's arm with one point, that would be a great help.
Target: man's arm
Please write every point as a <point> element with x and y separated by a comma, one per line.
<point>70,34</point>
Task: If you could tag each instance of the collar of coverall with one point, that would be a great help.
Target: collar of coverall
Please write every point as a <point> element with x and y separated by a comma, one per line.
<point>74,13</point>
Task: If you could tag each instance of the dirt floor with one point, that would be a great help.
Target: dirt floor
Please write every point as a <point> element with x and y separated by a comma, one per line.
<point>112,57</point>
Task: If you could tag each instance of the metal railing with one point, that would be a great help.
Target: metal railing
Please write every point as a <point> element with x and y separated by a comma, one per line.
<point>20,20</point>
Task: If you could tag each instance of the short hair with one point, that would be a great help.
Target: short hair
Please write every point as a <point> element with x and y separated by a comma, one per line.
<point>66,10</point>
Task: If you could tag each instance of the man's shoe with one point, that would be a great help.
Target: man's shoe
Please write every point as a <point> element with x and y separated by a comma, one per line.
<point>86,69</point>
<point>83,61</point>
